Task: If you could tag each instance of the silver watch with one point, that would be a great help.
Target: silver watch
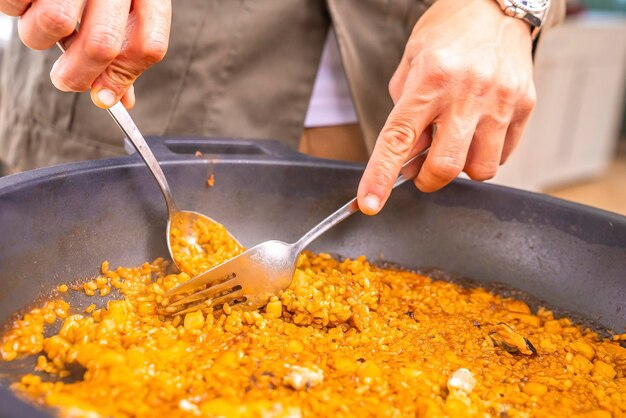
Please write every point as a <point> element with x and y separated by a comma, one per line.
<point>531,11</point>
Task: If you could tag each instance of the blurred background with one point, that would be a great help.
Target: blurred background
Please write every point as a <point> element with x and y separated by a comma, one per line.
<point>575,145</point>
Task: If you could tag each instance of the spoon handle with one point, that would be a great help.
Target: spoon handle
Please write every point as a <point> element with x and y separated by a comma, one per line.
<point>121,116</point>
<point>408,171</point>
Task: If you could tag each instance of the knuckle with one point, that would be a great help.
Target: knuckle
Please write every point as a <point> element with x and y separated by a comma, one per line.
<point>444,168</point>
<point>383,174</point>
<point>424,184</point>
<point>436,67</point>
<point>153,51</point>
<point>103,44</point>
<point>398,139</point>
<point>478,80</point>
<point>509,88</point>
<point>13,7</point>
<point>528,101</point>
<point>55,21</point>
<point>119,77</point>
<point>482,170</point>
<point>440,58</point>
<point>507,93</point>
<point>436,78</point>
<point>74,84</point>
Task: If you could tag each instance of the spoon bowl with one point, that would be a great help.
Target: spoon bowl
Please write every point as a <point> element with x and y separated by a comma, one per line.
<point>194,240</point>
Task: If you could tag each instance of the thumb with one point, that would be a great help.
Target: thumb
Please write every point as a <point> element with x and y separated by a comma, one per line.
<point>113,84</point>
<point>404,134</point>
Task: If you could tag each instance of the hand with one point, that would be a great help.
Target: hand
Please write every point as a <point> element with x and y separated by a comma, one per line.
<point>118,40</point>
<point>467,71</point>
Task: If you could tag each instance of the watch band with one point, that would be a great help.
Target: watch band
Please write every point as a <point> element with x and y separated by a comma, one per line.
<point>531,11</point>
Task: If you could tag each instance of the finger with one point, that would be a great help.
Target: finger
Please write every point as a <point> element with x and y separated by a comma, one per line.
<point>48,21</point>
<point>448,152</point>
<point>512,139</point>
<point>147,41</point>
<point>98,42</point>
<point>68,40</point>
<point>423,142</point>
<point>518,125</point>
<point>128,100</point>
<point>403,130</point>
<point>14,7</point>
<point>396,84</point>
<point>483,158</point>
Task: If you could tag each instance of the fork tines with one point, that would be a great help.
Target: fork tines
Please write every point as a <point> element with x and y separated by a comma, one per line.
<point>212,288</point>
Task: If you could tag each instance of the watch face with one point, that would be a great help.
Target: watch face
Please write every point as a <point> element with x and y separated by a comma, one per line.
<point>531,6</point>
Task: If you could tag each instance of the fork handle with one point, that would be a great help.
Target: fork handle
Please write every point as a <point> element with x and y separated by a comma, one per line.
<point>408,171</point>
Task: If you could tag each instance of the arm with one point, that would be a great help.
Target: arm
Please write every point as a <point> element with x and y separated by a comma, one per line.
<point>466,70</point>
<point>118,40</point>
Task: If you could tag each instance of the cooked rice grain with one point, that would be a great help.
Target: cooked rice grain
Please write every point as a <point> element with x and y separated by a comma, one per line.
<point>373,342</point>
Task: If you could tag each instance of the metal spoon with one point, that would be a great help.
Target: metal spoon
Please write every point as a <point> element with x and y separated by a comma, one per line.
<point>183,220</point>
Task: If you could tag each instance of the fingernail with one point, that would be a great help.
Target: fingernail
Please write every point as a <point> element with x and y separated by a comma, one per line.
<point>106,97</point>
<point>372,202</point>
<point>54,77</point>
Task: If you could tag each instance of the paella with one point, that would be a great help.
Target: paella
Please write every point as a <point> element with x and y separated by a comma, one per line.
<point>348,339</point>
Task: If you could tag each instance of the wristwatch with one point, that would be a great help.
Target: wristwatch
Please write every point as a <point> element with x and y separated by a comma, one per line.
<point>531,11</point>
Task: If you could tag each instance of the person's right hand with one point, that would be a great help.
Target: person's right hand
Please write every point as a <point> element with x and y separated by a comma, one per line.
<point>117,41</point>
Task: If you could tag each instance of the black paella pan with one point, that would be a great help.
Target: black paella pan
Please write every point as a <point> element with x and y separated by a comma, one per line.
<point>58,224</point>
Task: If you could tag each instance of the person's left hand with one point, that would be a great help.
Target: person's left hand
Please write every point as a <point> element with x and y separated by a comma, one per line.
<point>467,70</point>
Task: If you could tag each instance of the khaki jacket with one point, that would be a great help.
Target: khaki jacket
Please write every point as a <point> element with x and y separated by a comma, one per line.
<point>234,69</point>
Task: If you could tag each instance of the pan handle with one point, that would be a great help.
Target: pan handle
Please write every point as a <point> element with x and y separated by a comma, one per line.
<point>177,148</point>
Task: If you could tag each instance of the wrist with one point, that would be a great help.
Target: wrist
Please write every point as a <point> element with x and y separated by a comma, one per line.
<point>481,21</point>
<point>533,12</point>
<point>509,26</point>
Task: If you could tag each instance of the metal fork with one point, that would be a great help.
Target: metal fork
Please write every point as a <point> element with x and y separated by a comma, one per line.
<point>251,278</point>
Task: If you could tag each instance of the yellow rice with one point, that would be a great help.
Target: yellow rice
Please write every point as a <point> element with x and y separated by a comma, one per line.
<point>347,339</point>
